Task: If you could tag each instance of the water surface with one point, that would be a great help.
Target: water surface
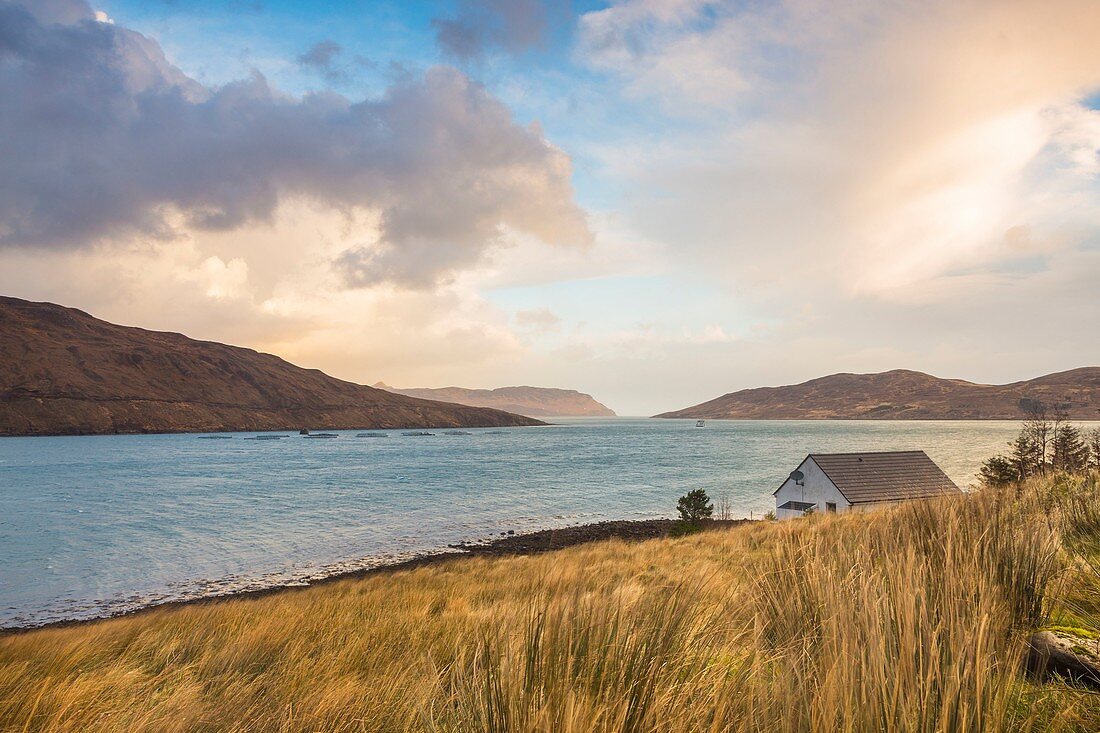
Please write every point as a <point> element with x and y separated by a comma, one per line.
<point>100,524</point>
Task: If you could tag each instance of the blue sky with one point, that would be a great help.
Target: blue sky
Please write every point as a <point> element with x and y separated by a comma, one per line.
<point>653,201</point>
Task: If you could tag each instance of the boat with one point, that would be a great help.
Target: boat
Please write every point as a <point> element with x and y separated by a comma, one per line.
<point>417,434</point>
<point>371,435</point>
<point>700,423</point>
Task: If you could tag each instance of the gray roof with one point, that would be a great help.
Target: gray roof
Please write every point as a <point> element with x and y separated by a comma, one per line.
<point>865,478</point>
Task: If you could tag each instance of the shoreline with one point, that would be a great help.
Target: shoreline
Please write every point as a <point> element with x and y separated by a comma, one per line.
<point>293,431</point>
<point>508,545</point>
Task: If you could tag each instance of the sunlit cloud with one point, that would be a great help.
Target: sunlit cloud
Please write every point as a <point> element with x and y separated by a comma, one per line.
<point>893,150</point>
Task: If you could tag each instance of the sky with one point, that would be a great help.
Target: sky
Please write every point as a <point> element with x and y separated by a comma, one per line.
<point>652,201</point>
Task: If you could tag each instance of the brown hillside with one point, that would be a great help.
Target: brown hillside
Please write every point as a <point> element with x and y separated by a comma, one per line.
<point>64,372</point>
<point>905,395</point>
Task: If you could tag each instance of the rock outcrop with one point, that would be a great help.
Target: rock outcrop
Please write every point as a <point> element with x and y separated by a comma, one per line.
<point>1065,654</point>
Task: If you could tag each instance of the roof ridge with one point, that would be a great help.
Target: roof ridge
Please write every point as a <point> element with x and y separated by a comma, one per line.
<point>871,453</point>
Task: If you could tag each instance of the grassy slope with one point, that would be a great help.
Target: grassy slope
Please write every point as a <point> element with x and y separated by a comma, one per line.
<point>907,620</point>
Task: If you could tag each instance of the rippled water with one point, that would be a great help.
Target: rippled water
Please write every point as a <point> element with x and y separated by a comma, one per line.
<point>96,525</point>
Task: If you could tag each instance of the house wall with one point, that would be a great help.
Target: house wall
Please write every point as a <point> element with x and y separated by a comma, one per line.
<point>818,490</point>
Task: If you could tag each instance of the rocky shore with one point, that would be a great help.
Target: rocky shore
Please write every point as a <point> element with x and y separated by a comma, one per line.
<point>532,543</point>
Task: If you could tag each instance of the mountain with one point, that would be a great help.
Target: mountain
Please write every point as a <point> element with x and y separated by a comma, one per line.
<point>64,372</point>
<point>531,401</point>
<point>905,395</point>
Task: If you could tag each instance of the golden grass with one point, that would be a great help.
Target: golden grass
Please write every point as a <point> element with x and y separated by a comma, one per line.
<point>911,619</point>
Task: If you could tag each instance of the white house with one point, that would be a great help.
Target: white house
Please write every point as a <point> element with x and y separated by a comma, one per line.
<point>847,482</point>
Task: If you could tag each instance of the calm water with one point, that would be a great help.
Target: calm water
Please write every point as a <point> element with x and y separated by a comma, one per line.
<point>94,525</point>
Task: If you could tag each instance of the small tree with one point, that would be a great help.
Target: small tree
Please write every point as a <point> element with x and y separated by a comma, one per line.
<point>1026,457</point>
<point>695,506</point>
<point>1092,440</point>
<point>1068,451</point>
<point>999,471</point>
<point>1038,429</point>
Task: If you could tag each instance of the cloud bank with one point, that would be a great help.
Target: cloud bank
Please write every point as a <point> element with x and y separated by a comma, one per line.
<point>102,138</point>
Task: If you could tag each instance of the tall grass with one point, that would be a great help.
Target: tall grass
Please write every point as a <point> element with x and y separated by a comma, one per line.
<point>580,664</point>
<point>910,619</point>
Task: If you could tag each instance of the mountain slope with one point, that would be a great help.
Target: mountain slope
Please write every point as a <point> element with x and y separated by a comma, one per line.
<point>531,401</point>
<point>64,372</point>
<point>905,395</point>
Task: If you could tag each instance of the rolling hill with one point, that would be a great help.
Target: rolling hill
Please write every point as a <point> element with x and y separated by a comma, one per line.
<point>530,401</point>
<point>63,371</point>
<point>905,395</point>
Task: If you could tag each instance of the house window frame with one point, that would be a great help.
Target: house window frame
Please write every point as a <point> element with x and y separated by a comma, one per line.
<point>830,507</point>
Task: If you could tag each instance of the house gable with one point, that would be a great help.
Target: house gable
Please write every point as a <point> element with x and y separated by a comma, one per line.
<point>817,493</point>
<point>800,467</point>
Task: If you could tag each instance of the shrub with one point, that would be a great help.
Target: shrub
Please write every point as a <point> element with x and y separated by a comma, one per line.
<point>999,471</point>
<point>695,506</point>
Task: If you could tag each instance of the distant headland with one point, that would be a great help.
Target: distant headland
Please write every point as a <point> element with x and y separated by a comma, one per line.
<point>530,401</point>
<point>64,372</point>
<point>901,394</point>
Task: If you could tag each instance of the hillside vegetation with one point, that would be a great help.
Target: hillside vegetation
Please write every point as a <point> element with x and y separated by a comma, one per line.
<point>64,372</point>
<point>912,619</point>
<point>902,394</point>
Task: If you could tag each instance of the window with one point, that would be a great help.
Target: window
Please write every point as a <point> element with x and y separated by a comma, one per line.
<point>830,507</point>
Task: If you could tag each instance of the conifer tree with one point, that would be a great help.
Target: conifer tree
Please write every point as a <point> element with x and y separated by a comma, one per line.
<point>1092,441</point>
<point>1026,458</point>
<point>999,471</point>
<point>1068,451</point>
<point>695,506</point>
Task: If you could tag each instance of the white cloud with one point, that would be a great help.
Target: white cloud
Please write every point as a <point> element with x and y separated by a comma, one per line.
<point>225,279</point>
<point>1077,135</point>
<point>538,320</point>
<point>710,334</point>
